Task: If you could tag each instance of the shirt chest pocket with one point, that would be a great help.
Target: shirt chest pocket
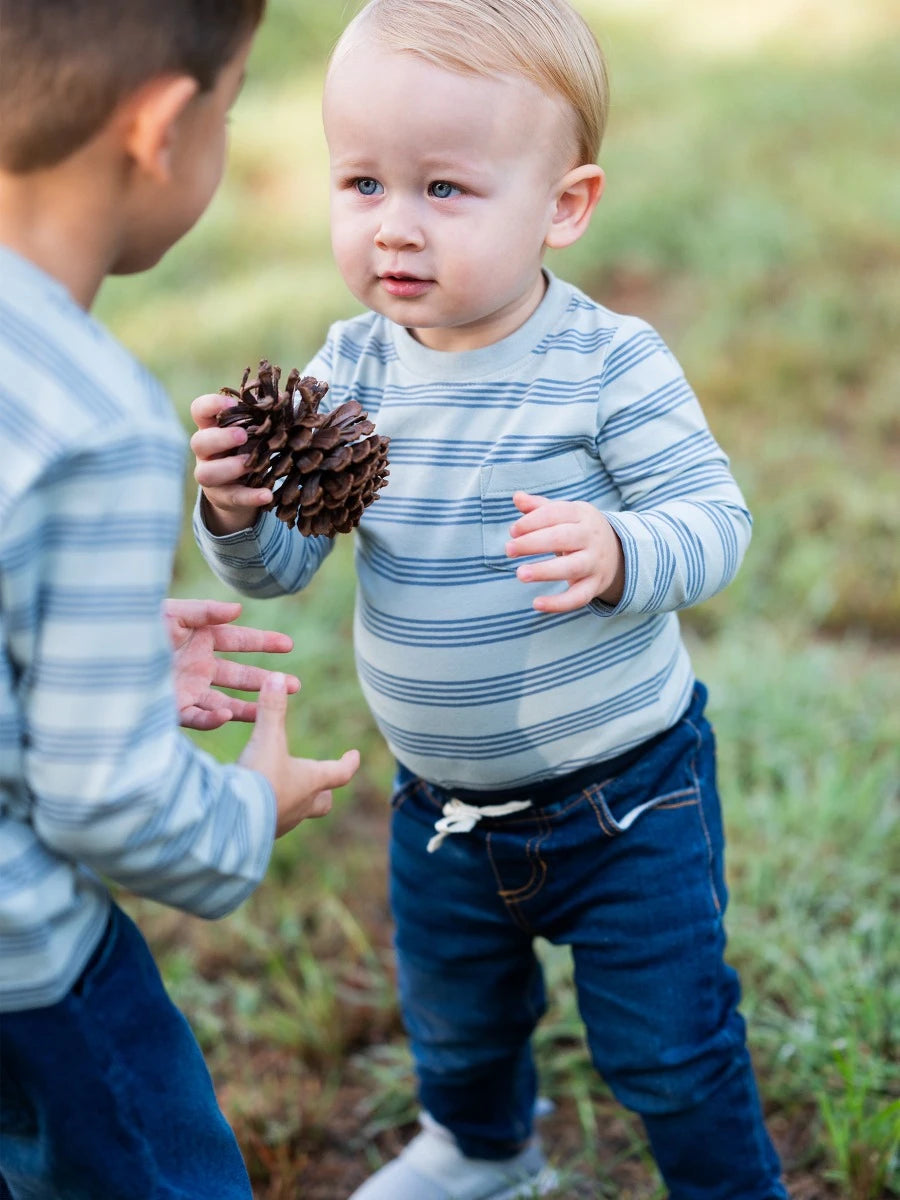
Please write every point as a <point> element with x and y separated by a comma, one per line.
<point>557,478</point>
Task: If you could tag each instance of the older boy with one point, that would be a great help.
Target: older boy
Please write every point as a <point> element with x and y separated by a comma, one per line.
<point>555,497</point>
<point>112,140</point>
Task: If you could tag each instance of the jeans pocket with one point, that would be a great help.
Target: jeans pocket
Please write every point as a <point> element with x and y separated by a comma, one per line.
<point>625,817</point>
<point>664,776</point>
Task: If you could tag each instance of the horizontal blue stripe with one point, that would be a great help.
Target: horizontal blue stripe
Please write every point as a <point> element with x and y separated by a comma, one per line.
<point>513,741</point>
<point>513,685</point>
<point>405,630</point>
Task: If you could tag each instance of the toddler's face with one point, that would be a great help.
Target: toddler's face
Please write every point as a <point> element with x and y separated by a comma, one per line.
<point>442,192</point>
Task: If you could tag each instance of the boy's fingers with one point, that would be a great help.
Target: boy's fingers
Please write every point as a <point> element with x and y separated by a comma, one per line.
<point>205,719</point>
<point>320,805</point>
<point>195,614</point>
<point>244,677</point>
<point>242,710</point>
<point>335,773</point>
<point>245,639</point>
<point>271,708</point>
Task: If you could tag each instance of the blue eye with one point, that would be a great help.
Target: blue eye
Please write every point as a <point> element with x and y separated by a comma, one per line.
<point>442,190</point>
<point>368,187</point>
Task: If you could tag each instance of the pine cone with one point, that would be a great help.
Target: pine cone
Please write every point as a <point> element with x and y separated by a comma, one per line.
<point>332,464</point>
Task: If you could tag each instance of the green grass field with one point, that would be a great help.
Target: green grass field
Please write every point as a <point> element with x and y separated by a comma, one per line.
<point>752,214</point>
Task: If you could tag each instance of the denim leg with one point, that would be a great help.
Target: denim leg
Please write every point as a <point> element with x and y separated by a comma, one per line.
<point>658,999</point>
<point>471,989</point>
<point>106,1093</point>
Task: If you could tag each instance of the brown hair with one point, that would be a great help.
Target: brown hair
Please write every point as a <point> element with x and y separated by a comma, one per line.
<point>545,41</point>
<point>66,64</point>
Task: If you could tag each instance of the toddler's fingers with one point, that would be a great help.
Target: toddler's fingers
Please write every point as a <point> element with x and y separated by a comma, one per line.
<point>525,502</point>
<point>551,512</point>
<point>553,539</point>
<point>212,442</point>
<point>219,472</point>
<point>205,408</point>
<point>567,566</point>
<point>237,497</point>
<point>576,596</point>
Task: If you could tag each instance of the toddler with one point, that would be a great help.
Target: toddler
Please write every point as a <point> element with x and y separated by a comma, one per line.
<point>555,498</point>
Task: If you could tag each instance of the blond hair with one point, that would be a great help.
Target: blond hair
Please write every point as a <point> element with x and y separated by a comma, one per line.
<point>544,41</point>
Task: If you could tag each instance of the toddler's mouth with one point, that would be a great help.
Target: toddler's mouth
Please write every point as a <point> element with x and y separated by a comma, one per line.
<point>402,285</point>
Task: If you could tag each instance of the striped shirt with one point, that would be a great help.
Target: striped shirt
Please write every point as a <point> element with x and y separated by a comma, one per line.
<point>96,779</point>
<point>470,685</point>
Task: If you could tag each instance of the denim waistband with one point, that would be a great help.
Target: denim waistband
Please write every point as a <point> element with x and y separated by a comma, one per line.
<point>547,791</point>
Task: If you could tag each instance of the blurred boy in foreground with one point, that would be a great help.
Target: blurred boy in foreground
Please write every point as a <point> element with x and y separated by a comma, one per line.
<point>112,142</point>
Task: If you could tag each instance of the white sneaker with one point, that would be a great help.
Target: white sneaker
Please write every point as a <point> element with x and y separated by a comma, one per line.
<point>433,1168</point>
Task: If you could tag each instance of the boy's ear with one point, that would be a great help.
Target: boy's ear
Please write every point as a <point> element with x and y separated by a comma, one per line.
<point>149,121</point>
<point>577,196</point>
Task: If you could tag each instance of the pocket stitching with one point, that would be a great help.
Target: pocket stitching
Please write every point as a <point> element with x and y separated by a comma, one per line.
<point>664,801</point>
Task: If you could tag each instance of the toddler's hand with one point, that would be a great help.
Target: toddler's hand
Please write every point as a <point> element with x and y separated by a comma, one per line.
<point>588,551</point>
<point>302,786</point>
<point>230,505</point>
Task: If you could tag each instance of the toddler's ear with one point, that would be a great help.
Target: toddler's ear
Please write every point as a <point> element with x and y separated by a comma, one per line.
<point>149,122</point>
<point>578,194</point>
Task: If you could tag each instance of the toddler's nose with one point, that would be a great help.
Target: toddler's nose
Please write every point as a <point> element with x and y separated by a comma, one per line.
<point>399,229</point>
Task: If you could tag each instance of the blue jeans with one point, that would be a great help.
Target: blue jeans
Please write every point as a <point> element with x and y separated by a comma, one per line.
<point>640,899</point>
<point>105,1095</point>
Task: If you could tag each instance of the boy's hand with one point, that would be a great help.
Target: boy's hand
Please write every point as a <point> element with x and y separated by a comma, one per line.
<point>197,630</point>
<point>588,551</point>
<point>230,505</point>
<point>302,786</point>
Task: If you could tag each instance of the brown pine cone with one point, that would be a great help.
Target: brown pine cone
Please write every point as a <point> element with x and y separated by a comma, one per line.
<point>333,464</point>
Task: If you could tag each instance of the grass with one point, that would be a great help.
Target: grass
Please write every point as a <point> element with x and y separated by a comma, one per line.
<point>752,214</point>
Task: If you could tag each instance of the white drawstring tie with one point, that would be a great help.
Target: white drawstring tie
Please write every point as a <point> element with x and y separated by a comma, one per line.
<point>460,817</point>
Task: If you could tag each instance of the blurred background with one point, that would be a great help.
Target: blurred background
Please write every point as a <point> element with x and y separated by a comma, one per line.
<point>752,214</point>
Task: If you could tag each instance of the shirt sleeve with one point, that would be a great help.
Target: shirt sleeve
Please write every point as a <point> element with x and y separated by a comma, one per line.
<point>268,559</point>
<point>683,524</point>
<point>114,784</point>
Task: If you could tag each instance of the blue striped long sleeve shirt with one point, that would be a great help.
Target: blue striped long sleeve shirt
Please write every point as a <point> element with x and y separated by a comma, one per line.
<point>469,684</point>
<point>96,778</point>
